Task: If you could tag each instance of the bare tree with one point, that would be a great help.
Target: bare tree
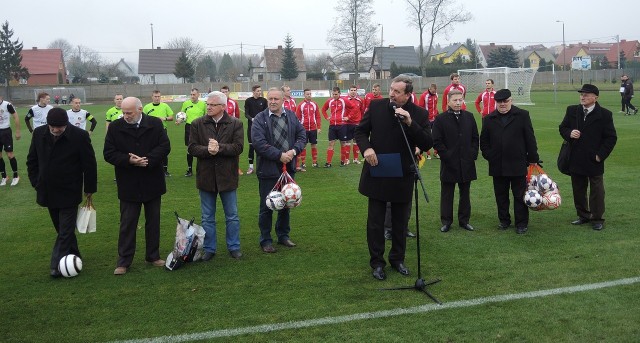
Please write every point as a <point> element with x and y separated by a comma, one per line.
<point>353,33</point>
<point>84,63</point>
<point>64,45</point>
<point>194,50</point>
<point>436,17</point>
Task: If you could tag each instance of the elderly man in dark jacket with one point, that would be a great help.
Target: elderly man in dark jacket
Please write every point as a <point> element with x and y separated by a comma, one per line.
<point>216,140</point>
<point>61,162</point>
<point>456,138</point>
<point>278,138</point>
<point>509,144</point>
<point>380,133</point>
<point>136,146</point>
<point>589,129</point>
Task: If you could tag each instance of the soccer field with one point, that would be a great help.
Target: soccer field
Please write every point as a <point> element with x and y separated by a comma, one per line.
<point>322,290</point>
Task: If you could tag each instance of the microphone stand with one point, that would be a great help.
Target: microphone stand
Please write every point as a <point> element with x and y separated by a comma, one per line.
<point>420,285</point>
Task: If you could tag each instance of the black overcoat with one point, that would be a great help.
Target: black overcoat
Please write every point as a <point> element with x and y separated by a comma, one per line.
<point>457,142</point>
<point>380,130</point>
<point>597,137</point>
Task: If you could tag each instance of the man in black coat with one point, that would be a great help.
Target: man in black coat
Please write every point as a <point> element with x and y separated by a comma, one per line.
<point>509,144</point>
<point>589,129</point>
<point>61,162</point>
<point>456,138</point>
<point>136,146</point>
<point>380,132</point>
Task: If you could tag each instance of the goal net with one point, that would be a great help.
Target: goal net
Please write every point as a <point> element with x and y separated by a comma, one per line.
<point>62,94</point>
<point>517,80</point>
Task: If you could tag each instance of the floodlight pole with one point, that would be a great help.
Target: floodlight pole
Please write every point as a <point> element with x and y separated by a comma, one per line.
<point>151,35</point>
<point>564,54</point>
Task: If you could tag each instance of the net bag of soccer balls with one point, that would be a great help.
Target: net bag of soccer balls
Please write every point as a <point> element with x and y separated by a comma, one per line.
<point>542,193</point>
<point>285,194</point>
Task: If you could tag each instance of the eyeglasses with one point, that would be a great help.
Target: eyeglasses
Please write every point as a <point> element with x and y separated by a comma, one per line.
<point>216,104</point>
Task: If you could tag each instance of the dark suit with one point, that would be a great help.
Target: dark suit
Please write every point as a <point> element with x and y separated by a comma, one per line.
<point>597,137</point>
<point>59,170</point>
<point>379,129</point>
<point>508,143</point>
<point>138,185</point>
<point>457,141</point>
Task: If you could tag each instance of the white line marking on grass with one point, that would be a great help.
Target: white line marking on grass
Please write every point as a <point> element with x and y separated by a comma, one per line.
<point>382,314</point>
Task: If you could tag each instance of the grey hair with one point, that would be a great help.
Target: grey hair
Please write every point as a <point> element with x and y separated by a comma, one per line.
<point>454,92</point>
<point>218,95</point>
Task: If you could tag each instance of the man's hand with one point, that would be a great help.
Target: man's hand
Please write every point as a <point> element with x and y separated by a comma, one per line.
<point>137,160</point>
<point>213,147</point>
<point>575,134</point>
<point>370,157</point>
<point>403,115</point>
<point>288,156</point>
<point>598,158</point>
<point>18,135</point>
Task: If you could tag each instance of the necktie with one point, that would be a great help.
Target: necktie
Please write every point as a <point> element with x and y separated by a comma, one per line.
<point>279,125</point>
<point>586,112</point>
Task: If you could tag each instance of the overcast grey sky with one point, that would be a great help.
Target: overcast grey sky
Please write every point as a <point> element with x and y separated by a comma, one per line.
<point>118,28</point>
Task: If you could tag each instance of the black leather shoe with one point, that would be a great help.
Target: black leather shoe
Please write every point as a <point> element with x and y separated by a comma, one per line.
<point>208,256</point>
<point>521,230</point>
<point>378,273</point>
<point>235,254</point>
<point>467,227</point>
<point>410,234</point>
<point>580,221</point>
<point>598,226</point>
<point>445,228</point>
<point>55,273</point>
<point>503,226</point>
<point>387,234</point>
<point>401,268</point>
<point>287,243</point>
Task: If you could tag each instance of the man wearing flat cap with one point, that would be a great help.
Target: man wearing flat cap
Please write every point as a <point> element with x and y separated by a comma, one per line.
<point>61,164</point>
<point>589,129</point>
<point>508,143</point>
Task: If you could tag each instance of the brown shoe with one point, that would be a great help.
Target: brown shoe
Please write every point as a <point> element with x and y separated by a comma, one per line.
<point>120,271</point>
<point>269,249</point>
<point>158,263</point>
<point>287,243</point>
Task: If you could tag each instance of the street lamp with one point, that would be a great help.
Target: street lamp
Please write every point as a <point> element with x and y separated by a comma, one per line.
<point>381,47</point>
<point>564,47</point>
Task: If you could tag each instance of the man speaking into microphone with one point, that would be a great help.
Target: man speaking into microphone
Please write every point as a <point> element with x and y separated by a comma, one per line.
<point>388,174</point>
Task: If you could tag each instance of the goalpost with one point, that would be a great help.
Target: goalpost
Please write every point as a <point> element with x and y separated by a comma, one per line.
<point>64,94</point>
<point>517,80</point>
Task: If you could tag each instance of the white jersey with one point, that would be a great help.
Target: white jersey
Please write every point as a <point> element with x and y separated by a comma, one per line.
<point>79,119</point>
<point>39,115</point>
<point>6,110</point>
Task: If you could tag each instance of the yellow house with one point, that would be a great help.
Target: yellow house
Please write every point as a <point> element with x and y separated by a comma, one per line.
<point>534,57</point>
<point>450,53</point>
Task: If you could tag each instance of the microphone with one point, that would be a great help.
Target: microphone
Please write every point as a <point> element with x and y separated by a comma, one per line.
<point>392,106</point>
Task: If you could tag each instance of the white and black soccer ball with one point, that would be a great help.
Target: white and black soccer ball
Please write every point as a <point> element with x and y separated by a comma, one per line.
<point>544,182</point>
<point>292,195</point>
<point>532,198</point>
<point>275,201</point>
<point>552,200</point>
<point>533,183</point>
<point>70,265</point>
<point>181,117</point>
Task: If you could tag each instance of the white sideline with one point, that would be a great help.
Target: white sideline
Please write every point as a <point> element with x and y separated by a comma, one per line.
<point>381,314</point>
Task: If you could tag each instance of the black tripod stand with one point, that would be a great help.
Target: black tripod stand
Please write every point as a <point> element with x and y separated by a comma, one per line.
<point>420,284</point>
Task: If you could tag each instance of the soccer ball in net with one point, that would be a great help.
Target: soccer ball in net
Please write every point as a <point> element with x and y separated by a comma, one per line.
<point>545,183</point>
<point>552,200</point>
<point>532,198</point>
<point>275,201</point>
<point>533,183</point>
<point>292,195</point>
<point>70,265</point>
<point>181,117</point>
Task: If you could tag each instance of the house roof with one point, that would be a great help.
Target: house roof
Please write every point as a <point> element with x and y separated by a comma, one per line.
<point>610,50</point>
<point>448,50</point>
<point>543,53</point>
<point>125,67</point>
<point>401,55</point>
<point>158,61</point>
<point>42,61</point>
<point>273,59</point>
<point>487,49</point>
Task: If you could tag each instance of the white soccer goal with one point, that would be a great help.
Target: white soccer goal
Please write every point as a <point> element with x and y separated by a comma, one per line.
<point>517,80</point>
<point>64,94</point>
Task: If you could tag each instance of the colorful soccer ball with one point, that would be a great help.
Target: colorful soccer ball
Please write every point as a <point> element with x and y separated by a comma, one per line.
<point>181,117</point>
<point>70,265</point>
<point>292,195</point>
<point>552,200</point>
<point>532,198</point>
<point>552,189</point>
<point>533,183</point>
<point>544,182</point>
<point>275,201</point>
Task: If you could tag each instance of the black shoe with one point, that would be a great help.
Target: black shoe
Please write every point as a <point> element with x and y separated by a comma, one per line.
<point>580,221</point>
<point>401,268</point>
<point>410,234</point>
<point>327,165</point>
<point>55,273</point>
<point>503,226</point>
<point>598,226</point>
<point>467,227</point>
<point>235,254</point>
<point>387,234</point>
<point>521,230</point>
<point>378,273</point>
<point>445,228</point>
<point>167,174</point>
<point>189,173</point>
<point>208,255</point>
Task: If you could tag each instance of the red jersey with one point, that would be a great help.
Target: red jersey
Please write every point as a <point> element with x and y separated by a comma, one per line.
<point>232,108</point>
<point>430,102</point>
<point>338,109</point>
<point>488,104</point>
<point>355,111</point>
<point>290,104</point>
<point>367,100</point>
<point>309,115</point>
<point>459,87</point>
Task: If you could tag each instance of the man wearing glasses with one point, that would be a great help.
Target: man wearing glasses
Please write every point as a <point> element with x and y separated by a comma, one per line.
<point>508,143</point>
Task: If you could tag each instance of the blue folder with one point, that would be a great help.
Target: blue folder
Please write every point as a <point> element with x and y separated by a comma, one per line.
<point>389,165</point>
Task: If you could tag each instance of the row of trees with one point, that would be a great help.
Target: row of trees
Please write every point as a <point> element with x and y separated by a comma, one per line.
<point>11,68</point>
